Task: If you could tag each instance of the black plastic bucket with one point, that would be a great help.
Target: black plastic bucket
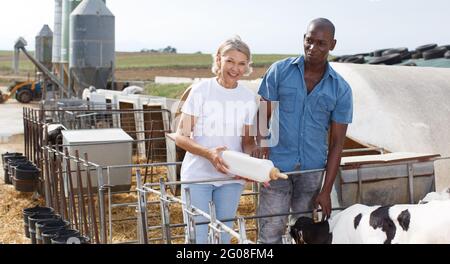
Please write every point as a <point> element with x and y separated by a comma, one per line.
<point>32,219</point>
<point>13,164</point>
<point>26,172</point>
<point>6,166</point>
<point>9,159</point>
<point>49,225</point>
<point>11,154</point>
<point>34,210</point>
<point>65,236</point>
<point>8,155</point>
<point>26,178</point>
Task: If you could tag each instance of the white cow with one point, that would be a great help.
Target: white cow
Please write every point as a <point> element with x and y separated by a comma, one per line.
<point>433,196</point>
<point>360,224</point>
<point>132,90</point>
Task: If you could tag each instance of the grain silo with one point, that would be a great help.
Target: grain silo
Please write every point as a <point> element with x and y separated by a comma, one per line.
<point>44,45</point>
<point>56,55</point>
<point>92,45</point>
<point>67,7</point>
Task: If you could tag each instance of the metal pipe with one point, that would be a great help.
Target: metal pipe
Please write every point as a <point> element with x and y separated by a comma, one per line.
<point>54,182</point>
<point>101,204</point>
<point>165,214</point>
<point>190,215</point>
<point>214,236</point>
<point>81,203</point>
<point>242,230</point>
<point>61,187</point>
<point>48,199</point>
<point>90,200</point>
<point>411,182</point>
<point>142,210</point>
<point>71,191</point>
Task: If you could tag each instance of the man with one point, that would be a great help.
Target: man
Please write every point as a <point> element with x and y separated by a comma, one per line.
<point>314,102</point>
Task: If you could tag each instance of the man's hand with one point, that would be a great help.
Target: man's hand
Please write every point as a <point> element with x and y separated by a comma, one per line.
<point>324,200</point>
<point>260,153</point>
<point>215,157</point>
<point>247,180</point>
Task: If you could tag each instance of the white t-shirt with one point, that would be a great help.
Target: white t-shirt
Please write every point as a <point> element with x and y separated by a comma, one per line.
<point>221,115</point>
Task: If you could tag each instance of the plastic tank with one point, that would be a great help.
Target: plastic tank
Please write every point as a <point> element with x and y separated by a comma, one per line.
<point>92,44</point>
<point>56,54</point>
<point>44,45</point>
<point>67,7</point>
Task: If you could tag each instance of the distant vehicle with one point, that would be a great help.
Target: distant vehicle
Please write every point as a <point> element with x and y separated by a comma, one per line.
<point>24,92</point>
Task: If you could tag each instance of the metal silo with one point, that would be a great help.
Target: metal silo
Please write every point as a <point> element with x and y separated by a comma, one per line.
<point>67,7</point>
<point>44,45</point>
<point>56,57</point>
<point>92,44</point>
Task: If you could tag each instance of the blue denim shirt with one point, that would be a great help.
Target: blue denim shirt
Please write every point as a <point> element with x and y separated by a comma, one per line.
<point>304,119</point>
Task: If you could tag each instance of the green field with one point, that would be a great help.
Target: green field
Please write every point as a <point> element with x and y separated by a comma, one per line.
<point>166,90</point>
<point>137,60</point>
<point>6,62</point>
<point>145,60</point>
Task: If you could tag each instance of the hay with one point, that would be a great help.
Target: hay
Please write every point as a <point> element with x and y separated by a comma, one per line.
<point>11,219</point>
<point>13,202</point>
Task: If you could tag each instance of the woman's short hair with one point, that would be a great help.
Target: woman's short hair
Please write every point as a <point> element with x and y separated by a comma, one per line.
<point>234,43</point>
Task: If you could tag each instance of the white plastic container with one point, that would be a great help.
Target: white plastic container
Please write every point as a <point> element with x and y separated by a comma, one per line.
<point>243,165</point>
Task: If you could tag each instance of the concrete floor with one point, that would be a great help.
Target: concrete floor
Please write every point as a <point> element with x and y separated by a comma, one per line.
<point>11,122</point>
<point>11,126</point>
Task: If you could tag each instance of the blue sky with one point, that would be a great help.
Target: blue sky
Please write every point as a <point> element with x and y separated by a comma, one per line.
<point>268,26</point>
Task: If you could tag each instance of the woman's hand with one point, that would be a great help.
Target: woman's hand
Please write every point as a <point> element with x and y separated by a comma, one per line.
<point>215,157</point>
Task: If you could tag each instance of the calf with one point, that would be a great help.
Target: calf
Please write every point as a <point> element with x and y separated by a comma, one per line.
<point>433,196</point>
<point>54,134</point>
<point>397,224</point>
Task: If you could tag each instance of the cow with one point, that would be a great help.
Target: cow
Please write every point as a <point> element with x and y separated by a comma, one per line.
<point>433,196</point>
<point>132,90</point>
<point>395,224</point>
<point>54,134</point>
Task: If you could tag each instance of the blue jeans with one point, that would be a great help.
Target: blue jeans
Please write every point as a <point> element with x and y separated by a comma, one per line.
<point>226,199</point>
<point>296,194</point>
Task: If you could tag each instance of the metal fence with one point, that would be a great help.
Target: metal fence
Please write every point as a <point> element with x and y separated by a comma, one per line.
<point>147,127</point>
<point>82,193</point>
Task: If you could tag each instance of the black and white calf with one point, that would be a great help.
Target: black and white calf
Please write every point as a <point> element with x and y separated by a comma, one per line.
<point>54,134</point>
<point>398,224</point>
<point>434,196</point>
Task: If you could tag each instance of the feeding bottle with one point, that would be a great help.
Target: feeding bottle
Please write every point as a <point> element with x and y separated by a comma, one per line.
<point>243,165</point>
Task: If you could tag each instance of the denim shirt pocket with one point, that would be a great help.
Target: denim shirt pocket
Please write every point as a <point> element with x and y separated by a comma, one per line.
<point>288,96</point>
<point>323,108</point>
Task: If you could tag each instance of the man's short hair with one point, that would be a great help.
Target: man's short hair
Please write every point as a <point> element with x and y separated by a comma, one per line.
<point>323,23</point>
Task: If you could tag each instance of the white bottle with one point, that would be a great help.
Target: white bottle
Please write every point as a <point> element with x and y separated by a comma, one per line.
<point>243,165</point>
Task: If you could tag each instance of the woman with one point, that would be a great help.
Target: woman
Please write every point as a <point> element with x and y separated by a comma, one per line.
<point>217,116</point>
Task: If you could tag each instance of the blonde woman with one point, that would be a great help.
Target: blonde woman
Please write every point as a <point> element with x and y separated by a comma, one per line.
<point>217,116</point>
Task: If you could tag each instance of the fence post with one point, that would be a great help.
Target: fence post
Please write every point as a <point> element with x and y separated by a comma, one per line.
<point>101,204</point>
<point>189,211</point>
<point>142,210</point>
<point>165,214</point>
<point>242,230</point>
<point>214,229</point>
